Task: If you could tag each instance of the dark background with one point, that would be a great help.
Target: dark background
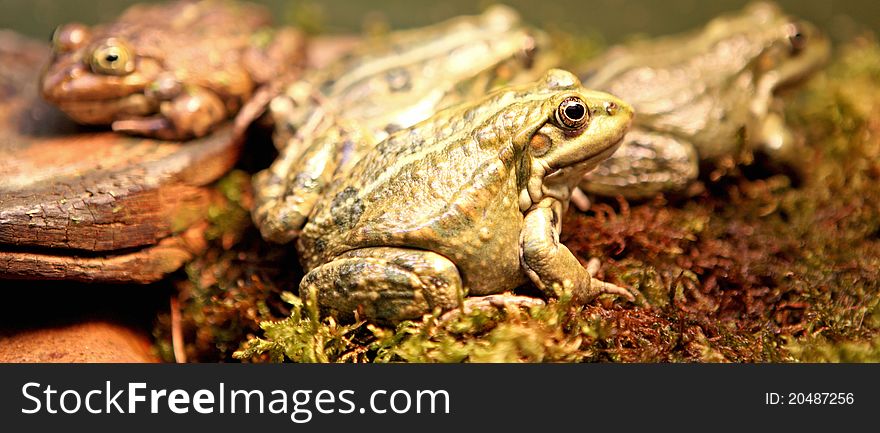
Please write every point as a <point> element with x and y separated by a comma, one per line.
<point>612,19</point>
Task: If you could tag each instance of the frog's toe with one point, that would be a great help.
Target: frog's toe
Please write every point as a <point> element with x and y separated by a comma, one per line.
<point>279,216</point>
<point>580,200</point>
<point>492,302</point>
<point>593,266</point>
<point>600,287</point>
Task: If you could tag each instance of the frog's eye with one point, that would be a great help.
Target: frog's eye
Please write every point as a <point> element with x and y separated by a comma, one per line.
<point>528,52</point>
<point>69,37</point>
<point>797,40</point>
<point>572,113</point>
<point>113,57</point>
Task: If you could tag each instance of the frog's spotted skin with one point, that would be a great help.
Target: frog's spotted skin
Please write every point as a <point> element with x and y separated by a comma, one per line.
<point>468,201</point>
<point>327,120</point>
<point>703,96</point>
<point>170,71</point>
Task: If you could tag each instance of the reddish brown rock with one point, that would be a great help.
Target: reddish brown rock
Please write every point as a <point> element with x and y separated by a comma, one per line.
<point>91,341</point>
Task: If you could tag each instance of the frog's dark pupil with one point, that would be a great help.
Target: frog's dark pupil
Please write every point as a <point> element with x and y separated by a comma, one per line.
<point>575,111</point>
<point>112,58</point>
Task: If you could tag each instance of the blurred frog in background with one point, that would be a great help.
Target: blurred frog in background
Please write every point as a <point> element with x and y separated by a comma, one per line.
<point>170,71</point>
<point>704,96</point>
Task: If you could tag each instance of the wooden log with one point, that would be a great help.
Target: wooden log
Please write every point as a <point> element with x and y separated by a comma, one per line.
<point>85,203</point>
<point>144,265</point>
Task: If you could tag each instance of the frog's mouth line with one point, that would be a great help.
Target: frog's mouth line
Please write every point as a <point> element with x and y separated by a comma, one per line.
<point>595,158</point>
<point>560,182</point>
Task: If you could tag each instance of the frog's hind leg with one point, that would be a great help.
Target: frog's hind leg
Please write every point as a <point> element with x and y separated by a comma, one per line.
<point>645,164</point>
<point>287,191</point>
<point>386,284</point>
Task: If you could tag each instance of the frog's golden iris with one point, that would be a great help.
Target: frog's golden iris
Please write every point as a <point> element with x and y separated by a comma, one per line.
<point>572,113</point>
<point>112,57</point>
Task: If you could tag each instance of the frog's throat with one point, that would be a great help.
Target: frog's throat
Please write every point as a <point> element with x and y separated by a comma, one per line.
<point>558,183</point>
<point>546,182</point>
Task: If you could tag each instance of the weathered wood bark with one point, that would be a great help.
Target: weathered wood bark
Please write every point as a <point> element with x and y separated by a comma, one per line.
<point>144,265</point>
<point>84,203</point>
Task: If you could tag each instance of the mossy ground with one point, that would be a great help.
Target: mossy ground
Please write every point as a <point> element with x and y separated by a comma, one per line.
<point>754,268</point>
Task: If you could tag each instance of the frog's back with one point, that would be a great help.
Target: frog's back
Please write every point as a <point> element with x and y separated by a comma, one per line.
<point>430,187</point>
<point>403,78</point>
<point>173,26</point>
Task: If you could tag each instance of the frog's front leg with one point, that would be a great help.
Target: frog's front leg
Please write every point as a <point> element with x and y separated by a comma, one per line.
<point>550,265</point>
<point>645,164</point>
<point>387,284</point>
<point>183,113</point>
<point>287,191</point>
<point>775,140</point>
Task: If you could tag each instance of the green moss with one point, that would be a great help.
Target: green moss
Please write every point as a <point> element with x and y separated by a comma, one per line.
<point>304,337</point>
<point>820,349</point>
<point>229,217</point>
<point>226,292</point>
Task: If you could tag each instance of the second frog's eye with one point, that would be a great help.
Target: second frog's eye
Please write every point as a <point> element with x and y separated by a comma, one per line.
<point>796,38</point>
<point>113,57</point>
<point>572,113</point>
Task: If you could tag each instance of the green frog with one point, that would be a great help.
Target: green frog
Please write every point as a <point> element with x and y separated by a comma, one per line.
<point>705,96</point>
<point>467,202</point>
<point>170,71</point>
<point>326,120</point>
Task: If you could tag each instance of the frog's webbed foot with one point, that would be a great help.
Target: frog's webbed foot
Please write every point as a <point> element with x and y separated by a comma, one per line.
<point>286,192</point>
<point>278,214</point>
<point>491,303</point>
<point>646,163</point>
<point>193,112</point>
<point>385,284</point>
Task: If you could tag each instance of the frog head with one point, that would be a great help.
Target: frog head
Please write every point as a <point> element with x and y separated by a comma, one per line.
<point>783,49</point>
<point>567,131</point>
<point>96,78</point>
<point>787,51</point>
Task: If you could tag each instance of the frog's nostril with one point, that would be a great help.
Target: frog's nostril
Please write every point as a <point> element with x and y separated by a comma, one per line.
<point>611,108</point>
